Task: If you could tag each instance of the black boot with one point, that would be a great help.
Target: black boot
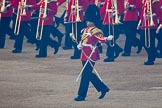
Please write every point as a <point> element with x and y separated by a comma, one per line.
<point>103,93</point>
<point>56,48</point>
<point>79,98</point>
<point>139,48</point>
<point>109,59</point>
<point>16,51</point>
<point>117,53</point>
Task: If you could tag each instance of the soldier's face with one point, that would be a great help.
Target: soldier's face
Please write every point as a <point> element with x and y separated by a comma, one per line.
<point>90,24</point>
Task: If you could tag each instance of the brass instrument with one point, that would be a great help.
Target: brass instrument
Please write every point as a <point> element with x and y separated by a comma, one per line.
<point>109,14</point>
<point>20,12</point>
<point>148,21</point>
<point>115,11</point>
<point>96,2</point>
<point>42,16</point>
<point>75,9</point>
<point>2,8</point>
<point>23,13</point>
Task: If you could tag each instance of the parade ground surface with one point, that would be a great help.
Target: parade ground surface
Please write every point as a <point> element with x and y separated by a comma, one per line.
<point>29,82</point>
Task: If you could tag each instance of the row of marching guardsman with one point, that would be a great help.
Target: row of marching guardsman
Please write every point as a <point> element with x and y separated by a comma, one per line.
<point>136,16</point>
<point>133,16</point>
<point>33,19</point>
<point>146,17</point>
<point>114,14</point>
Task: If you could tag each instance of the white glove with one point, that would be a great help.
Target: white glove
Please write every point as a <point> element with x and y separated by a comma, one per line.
<point>110,37</point>
<point>79,46</point>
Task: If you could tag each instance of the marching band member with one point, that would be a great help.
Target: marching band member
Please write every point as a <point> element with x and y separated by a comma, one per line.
<point>75,18</point>
<point>133,7</point>
<point>23,18</point>
<point>148,24</point>
<point>5,19</point>
<point>159,37</point>
<point>68,41</point>
<point>110,26</point>
<point>90,37</point>
<point>55,32</point>
<point>46,22</point>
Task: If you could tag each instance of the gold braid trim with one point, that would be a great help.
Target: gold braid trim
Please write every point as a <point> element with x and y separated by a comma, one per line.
<point>96,31</point>
<point>93,32</point>
<point>98,34</point>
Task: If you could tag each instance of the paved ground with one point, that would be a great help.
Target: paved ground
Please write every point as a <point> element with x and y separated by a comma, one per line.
<point>27,82</point>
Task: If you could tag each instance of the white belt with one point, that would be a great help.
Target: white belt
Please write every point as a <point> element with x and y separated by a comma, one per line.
<point>88,45</point>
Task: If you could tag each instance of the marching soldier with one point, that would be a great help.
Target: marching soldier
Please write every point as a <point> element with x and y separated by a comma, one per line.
<point>159,37</point>
<point>6,14</point>
<point>68,41</point>
<point>22,27</point>
<point>75,18</point>
<point>90,37</point>
<point>148,24</point>
<point>55,32</point>
<point>131,17</point>
<point>110,13</point>
<point>48,8</point>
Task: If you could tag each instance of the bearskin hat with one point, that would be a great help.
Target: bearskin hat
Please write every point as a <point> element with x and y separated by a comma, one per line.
<point>92,14</point>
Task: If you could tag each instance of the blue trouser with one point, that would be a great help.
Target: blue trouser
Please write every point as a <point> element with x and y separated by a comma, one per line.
<point>151,51</point>
<point>4,26</point>
<point>89,76</point>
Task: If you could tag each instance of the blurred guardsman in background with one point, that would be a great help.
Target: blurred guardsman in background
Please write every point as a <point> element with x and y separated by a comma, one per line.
<point>150,15</point>
<point>47,10</point>
<point>6,8</point>
<point>159,37</point>
<point>131,17</point>
<point>75,18</point>
<point>21,27</point>
<point>110,16</point>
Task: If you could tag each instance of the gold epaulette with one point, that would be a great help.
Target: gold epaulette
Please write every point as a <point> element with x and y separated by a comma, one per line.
<point>96,31</point>
<point>93,32</point>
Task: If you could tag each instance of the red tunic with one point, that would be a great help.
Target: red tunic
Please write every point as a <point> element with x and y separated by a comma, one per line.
<point>107,12</point>
<point>132,15</point>
<point>27,17</point>
<point>71,13</point>
<point>8,12</point>
<point>51,11</point>
<point>160,2</point>
<point>91,39</point>
<point>157,15</point>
